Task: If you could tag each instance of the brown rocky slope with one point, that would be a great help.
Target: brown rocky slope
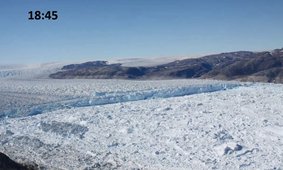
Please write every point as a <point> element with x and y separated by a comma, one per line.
<point>264,66</point>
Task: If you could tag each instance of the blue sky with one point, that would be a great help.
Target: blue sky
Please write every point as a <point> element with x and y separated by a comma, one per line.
<point>106,29</point>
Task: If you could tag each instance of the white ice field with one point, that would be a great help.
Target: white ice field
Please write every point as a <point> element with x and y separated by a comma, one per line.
<point>123,124</point>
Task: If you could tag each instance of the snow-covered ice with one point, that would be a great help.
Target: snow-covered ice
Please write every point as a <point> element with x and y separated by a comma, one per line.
<point>164,124</point>
<point>31,97</point>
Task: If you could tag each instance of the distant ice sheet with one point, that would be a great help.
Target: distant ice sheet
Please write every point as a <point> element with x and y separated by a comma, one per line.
<point>28,71</point>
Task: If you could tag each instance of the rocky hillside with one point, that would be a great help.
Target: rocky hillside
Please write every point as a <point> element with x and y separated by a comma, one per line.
<point>242,65</point>
<point>7,164</point>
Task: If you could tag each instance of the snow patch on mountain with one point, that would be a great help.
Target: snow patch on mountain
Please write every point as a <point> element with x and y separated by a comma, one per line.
<point>147,62</point>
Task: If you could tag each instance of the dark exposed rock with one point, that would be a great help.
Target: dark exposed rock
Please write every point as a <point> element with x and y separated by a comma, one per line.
<point>85,65</point>
<point>241,65</point>
<point>238,147</point>
<point>227,150</point>
<point>7,164</point>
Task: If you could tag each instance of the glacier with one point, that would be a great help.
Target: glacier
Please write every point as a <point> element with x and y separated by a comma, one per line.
<point>101,98</point>
<point>150,124</point>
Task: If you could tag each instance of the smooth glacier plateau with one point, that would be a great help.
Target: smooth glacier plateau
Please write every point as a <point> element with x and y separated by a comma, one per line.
<point>165,124</point>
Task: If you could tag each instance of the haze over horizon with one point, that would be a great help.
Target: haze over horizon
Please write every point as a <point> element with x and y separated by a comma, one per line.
<point>90,30</point>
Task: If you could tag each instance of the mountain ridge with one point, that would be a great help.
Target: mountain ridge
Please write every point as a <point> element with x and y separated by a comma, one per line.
<point>266,66</point>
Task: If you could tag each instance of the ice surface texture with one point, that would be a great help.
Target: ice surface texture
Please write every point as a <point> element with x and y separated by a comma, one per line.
<point>239,128</point>
<point>33,101</point>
